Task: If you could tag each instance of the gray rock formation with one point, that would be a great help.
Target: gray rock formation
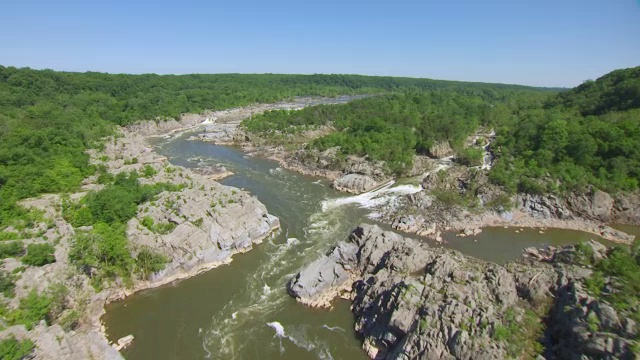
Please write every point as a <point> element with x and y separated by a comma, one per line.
<point>440,150</point>
<point>362,166</point>
<point>52,342</point>
<point>211,224</point>
<point>355,183</point>
<point>592,205</point>
<point>415,302</point>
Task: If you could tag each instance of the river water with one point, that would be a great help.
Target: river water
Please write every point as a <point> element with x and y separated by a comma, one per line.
<point>242,310</point>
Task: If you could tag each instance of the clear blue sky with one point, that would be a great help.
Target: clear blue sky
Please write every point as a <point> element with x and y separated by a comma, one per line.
<point>534,42</point>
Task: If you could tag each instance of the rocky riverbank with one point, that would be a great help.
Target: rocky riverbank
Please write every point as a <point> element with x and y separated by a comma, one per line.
<point>462,199</point>
<point>454,197</point>
<point>412,301</point>
<point>198,226</point>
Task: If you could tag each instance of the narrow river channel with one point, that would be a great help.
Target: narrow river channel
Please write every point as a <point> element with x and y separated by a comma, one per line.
<point>242,310</point>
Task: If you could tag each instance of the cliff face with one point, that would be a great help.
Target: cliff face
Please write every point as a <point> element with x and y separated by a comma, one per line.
<point>411,301</point>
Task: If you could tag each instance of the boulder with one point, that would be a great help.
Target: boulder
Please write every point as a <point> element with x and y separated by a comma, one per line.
<point>440,150</point>
<point>317,278</point>
<point>355,183</point>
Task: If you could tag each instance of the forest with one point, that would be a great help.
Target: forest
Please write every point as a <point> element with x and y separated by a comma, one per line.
<point>394,127</point>
<point>586,136</point>
<point>49,118</point>
<point>546,141</point>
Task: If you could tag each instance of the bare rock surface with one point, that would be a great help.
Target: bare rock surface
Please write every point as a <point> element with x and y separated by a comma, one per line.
<point>52,342</point>
<point>440,150</point>
<point>355,183</point>
<point>415,302</point>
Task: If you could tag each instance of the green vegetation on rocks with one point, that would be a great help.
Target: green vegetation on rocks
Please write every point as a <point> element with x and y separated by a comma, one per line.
<point>588,135</point>
<point>13,349</point>
<point>11,249</point>
<point>103,253</point>
<point>616,278</point>
<point>39,255</point>
<point>394,127</point>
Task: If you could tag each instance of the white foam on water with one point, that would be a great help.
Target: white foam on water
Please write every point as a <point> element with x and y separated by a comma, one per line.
<point>292,241</point>
<point>234,315</point>
<point>277,327</point>
<point>333,328</point>
<point>373,198</point>
<point>266,289</point>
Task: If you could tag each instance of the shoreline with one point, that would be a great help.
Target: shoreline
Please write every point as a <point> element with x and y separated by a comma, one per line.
<point>197,270</point>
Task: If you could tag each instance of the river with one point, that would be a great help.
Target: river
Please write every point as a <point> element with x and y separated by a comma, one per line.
<point>242,310</point>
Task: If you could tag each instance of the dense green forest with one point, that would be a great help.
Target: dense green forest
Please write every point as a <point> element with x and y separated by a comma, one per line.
<point>546,142</point>
<point>48,118</point>
<point>588,135</point>
<point>394,127</point>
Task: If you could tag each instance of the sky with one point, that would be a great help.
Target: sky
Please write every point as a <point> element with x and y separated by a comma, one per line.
<point>530,42</point>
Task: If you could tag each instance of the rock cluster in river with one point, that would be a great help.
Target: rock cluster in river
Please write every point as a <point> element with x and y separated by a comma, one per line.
<point>416,302</point>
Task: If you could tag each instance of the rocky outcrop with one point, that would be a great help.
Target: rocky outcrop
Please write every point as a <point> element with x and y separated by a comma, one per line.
<point>354,183</point>
<point>440,150</point>
<point>324,278</point>
<point>583,327</point>
<point>626,209</point>
<point>209,225</point>
<point>415,302</point>
<point>197,227</point>
<point>422,164</point>
<point>363,166</point>
<point>366,249</point>
<point>166,126</point>
<point>592,205</point>
<point>52,342</point>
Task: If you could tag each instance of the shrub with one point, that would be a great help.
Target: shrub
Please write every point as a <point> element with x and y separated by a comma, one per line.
<point>103,253</point>
<point>501,202</point>
<point>148,171</point>
<point>12,349</point>
<point>39,255</point>
<point>149,262</point>
<point>31,310</point>
<point>160,228</point>
<point>448,198</point>
<point>471,156</point>
<point>9,235</point>
<point>521,337</point>
<point>12,249</point>
<point>6,284</point>
<point>69,320</point>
